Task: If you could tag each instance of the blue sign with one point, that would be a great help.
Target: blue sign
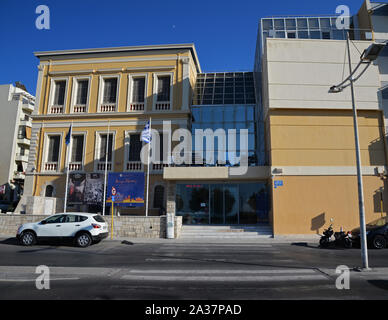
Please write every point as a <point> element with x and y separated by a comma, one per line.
<point>129,188</point>
<point>278,183</point>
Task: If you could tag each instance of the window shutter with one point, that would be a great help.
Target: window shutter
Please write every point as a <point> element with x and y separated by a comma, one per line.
<point>163,91</point>
<point>82,92</point>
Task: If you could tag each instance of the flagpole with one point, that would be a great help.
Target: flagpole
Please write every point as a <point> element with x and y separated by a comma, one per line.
<point>67,168</point>
<point>106,167</point>
<point>148,167</point>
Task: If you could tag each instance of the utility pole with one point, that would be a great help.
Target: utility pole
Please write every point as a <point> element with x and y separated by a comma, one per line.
<point>361,206</point>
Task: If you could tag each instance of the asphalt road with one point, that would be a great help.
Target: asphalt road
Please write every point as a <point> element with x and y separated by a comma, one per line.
<point>183,270</point>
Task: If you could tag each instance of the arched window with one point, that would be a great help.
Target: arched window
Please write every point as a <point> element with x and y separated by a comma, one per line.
<point>49,191</point>
<point>159,197</point>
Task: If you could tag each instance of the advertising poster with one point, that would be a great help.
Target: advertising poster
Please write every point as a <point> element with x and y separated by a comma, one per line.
<point>129,189</point>
<point>76,189</point>
<point>94,189</point>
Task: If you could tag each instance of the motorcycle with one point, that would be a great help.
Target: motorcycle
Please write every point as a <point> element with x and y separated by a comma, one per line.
<point>341,238</point>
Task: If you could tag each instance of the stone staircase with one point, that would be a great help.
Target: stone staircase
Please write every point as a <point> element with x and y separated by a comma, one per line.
<point>226,231</point>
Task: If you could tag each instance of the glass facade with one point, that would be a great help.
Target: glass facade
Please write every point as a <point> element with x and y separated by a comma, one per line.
<point>222,203</point>
<point>301,28</point>
<point>224,88</point>
<point>226,100</point>
<point>227,117</point>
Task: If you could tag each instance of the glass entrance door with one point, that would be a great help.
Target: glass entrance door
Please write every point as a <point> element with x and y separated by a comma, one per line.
<point>224,204</point>
<point>231,204</point>
<point>216,204</point>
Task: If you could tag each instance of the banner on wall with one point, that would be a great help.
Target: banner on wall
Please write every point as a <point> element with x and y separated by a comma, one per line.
<point>76,191</point>
<point>94,189</point>
<point>128,188</point>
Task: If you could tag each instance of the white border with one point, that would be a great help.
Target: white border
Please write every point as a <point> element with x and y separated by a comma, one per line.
<point>101,85</point>
<point>97,148</point>
<point>45,151</point>
<point>127,134</point>
<point>132,76</point>
<point>155,89</point>
<point>74,92</point>
<point>78,133</point>
<point>52,92</point>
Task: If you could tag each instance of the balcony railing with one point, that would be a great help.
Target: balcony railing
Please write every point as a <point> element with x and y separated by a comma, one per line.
<point>136,106</point>
<point>56,109</point>
<point>159,166</point>
<point>108,107</point>
<point>162,105</point>
<point>50,166</point>
<point>101,166</point>
<point>75,166</point>
<point>134,166</point>
<point>79,109</point>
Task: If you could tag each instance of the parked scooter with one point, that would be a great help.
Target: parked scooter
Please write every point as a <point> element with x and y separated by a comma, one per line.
<point>342,239</point>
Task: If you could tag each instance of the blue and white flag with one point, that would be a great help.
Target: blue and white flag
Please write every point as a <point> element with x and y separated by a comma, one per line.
<point>146,133</point>
<point>67,138</point>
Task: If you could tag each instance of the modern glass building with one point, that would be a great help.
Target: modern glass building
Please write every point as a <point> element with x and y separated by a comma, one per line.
<point>225,101</point>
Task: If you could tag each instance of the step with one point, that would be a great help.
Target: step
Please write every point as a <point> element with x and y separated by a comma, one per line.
<point>183,236</point>
<point>226,231</point>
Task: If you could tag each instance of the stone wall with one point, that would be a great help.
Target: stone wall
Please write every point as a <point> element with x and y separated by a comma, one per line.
<point>124,226</point>
<point>39,205</point>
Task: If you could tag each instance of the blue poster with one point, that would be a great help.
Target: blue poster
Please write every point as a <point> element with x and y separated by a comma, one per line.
<point>128,189</point>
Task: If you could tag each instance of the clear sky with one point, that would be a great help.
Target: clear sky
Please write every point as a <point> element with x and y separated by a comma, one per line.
<point>223,31</point>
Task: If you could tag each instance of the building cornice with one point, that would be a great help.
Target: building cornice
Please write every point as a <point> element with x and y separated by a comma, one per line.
<point>59,53</point>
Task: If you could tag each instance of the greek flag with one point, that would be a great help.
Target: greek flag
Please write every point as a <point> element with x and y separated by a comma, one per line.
<point>146,133</point>
<point>67,139</point>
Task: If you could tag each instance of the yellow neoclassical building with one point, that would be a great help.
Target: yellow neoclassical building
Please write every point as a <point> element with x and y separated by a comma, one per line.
<point>115,90</point>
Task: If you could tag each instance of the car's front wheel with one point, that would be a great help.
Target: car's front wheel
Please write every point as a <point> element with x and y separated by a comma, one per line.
<point>379,242</point>
<point>83,240</point>
<point>28,238</point>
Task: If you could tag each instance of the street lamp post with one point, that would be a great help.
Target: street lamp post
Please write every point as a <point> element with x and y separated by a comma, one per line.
<point>367,57</point>
<point>361,206</point>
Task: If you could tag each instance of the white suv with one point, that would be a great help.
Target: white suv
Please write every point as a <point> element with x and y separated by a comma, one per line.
<point>84,228</point>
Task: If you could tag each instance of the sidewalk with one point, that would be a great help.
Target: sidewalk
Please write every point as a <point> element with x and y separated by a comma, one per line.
<point>308,239</point>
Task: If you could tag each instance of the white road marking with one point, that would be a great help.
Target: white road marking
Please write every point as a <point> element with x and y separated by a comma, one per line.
<point>29,280</point>
<point>225,271</point>
<point>225,278</point>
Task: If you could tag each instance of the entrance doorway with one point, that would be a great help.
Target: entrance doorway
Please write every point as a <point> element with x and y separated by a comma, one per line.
<point>226,203</point>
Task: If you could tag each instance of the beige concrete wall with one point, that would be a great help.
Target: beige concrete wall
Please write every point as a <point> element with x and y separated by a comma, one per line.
<point>299,73</point>
<point>304,205</point>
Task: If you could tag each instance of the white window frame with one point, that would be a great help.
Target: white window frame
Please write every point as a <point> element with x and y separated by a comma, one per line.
<point>127,141</point>
<point>155,89</point>
<point>74,93</point>
<point>78,133</point>
<point>169,148</point>
<point>52,93</point>
<point>45,151</point>
<point>132,76</point>
<point>97,148</point>
<point>101,87</point>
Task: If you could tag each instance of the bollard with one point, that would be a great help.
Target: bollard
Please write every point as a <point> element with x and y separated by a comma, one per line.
<point>170,225</point>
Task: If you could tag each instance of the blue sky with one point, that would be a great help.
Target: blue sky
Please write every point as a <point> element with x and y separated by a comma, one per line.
<point>224,32</point>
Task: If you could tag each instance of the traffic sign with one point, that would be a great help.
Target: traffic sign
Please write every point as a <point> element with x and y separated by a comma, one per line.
<point>113,198</point>
<point>113,191</point>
